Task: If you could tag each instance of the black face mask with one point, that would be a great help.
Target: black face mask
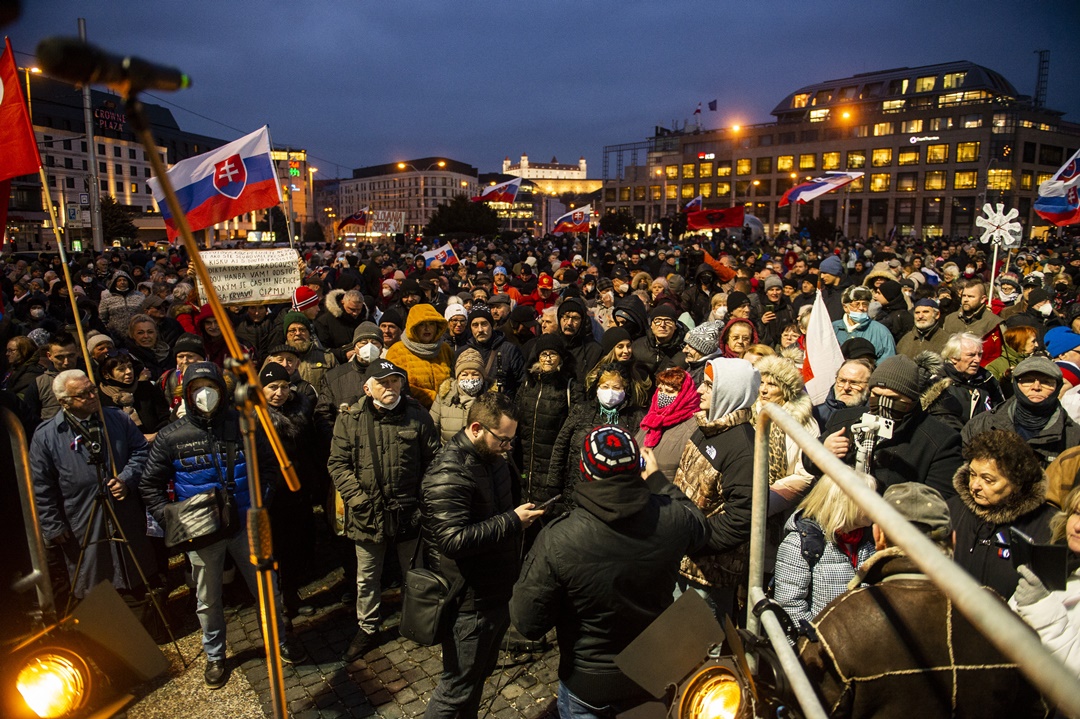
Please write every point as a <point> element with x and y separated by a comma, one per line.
<point>892,408</point>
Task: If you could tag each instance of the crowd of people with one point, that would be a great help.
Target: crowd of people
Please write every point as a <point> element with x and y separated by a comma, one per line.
<point>566,432</point>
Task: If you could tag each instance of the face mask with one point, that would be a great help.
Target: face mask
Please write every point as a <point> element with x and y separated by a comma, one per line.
<point>386,292</point>
<point>88,280</point>
<point>171,281</point>
<point>622,289</point>
<point>969,271</point>
<point>206,399</point>
<point>1046,310</point>
<point>610,397</point>
<point>368,353</point>
<point>387,406</point>
<point>858,317</point>
<point>37,313</point>
<point>471,387</point>
<point>1007,296</point>
<point>663,399</point>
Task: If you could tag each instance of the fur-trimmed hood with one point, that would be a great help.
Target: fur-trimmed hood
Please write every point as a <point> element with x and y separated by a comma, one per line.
<point>1015,505</point>
<point>739,416</point>
<point>333,302</point>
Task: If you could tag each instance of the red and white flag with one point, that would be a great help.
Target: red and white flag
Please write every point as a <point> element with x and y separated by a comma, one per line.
<point>823,356</point>
<point>503,192</point>
<point>716,219</point>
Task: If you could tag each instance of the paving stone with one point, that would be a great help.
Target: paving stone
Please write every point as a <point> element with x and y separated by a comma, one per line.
<point>379,698</point>
<point>405,695</point>
<point>297,692</point>
<point>390,711</point>
<point>413,709</point>
<point>371,686</point>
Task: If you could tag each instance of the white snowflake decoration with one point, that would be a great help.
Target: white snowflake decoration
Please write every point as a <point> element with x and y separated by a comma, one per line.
<point>999,226</point>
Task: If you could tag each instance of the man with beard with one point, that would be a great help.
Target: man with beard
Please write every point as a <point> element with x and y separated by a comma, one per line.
<point>927,334</point>
<point>577,332</point>
<point>314,360</point>
<point>973,386</point>
<point>973,316</point>
<point>851,389</point>
<point>503,361</point>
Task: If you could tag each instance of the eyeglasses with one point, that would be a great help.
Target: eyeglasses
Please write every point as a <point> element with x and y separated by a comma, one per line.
<point>663,322</point>
<point>503,441</point>
<point>85,394</point>
<point>549,355</point>
<point>850,383</point>
<point>859,305</point>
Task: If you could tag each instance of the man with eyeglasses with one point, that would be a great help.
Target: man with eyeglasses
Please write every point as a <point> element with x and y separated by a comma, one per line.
<point>856,322</point>
<point>851,389</point>
<point>1033,412</point>
<point>661,347</point>
<point>472,535</point>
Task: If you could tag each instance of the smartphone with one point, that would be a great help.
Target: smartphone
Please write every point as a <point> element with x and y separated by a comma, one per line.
<point>770,308</point>
<point>547,505</point>
<point>1048,561</point>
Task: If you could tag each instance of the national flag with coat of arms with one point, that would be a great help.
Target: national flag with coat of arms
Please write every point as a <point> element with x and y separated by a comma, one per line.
<point>1059,197</point>
<point>444,254</point>
<point>808,191</point>
<point>503,192</point>
<point>18,146</point>
<point>574,221</point>
<point>356,218</point>
<point>695,204</point>
<point>219,185</point>
<point>823,355</point>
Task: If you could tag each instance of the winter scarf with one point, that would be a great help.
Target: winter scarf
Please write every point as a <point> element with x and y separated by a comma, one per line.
<point>1029,417</point>
<point>429,350</point>
<point>657,419</point>
<point>725,350</point>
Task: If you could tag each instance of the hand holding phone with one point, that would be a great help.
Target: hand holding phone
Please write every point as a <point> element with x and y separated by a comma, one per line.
<point>545,506</point>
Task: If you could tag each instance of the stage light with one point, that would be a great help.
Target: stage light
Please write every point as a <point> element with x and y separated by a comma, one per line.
<point>54,683</point>
<point>714,692</point>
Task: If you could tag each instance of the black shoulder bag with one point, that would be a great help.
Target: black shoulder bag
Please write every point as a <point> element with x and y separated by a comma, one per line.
<point>207,517</point>
<point>424,602</point>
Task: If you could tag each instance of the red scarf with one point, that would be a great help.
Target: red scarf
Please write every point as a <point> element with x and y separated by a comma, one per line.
<point>684,407</point>
<point>848,543</point>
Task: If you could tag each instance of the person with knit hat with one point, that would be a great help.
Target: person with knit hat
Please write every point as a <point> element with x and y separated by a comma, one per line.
<point>617,348</point>
<point>344,311</point>
<point>1034,411</point>
<point>315,360</point>
<point>661,347</point>
<point>894,313</point>
<point>716,472</point>
<point>575,325</point>
<point>457,325</point>
<point>856,322</point>
<point>456,394</point>
<point>669,422</point>
<point>700,345</point>
<point>832,283</point>
<point>426,358</point>
<point>922,447</point>
<point>1063,346</point>
<point>392,324</point>
<point>306,300</point>
<point>926,334</point>
<point>504,365</point>
<point>776,312</point>
<point>606,572</point>
<point>342,385</point>
<point>544,402</point>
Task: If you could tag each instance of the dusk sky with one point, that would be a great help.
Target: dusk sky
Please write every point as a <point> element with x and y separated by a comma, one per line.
<point>360,82</point>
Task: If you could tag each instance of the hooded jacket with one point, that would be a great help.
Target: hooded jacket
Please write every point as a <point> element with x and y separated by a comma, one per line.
<point>335,326</point>
<point>425,374</point>
<point>982,533</point>
<point>602,574</point>
<point>118,308</point>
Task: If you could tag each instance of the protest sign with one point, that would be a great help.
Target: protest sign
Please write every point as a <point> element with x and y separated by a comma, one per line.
<point>252,277</point>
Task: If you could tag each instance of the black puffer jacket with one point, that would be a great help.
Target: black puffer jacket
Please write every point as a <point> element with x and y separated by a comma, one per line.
<point>544,403</point>
<point>654,356</point>
<point>471,534</point>
<point>896,317</point>
<point>386,506</point>
<point>1059,433</point>
<point>566,453</point>
<point>769,332</point>
<point>602,574</point>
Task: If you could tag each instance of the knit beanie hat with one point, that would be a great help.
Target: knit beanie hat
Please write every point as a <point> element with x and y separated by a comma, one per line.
<point>890,290</point>
<point>773,281</point>
<point>735,300</point>
<point>292,318</point>
<point>832,265</point>
<point>303,297</point>
<point>469,359</point>
<point>393,316</point>
<point>100,339</point>
<point>1037,296</point>
<point>664,310</point>
<point>551,342</point>
<point>480,310</point>
<point>609,451</point>
<point>273,372</point>
<point>367,331</point>
<point>612,337</point>
<point>186,342</point>
<point>522,314</point>
<point>705,338</point>
<point>454,310</point>
<point>900,374</point>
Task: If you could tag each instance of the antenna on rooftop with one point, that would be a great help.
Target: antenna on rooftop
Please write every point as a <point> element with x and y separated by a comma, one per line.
<point>1043,76</point>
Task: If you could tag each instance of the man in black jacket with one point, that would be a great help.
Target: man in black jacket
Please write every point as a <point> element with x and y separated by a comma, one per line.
<point>472,533</point>
<point>604,572</point>
<point>577,333</point>
<point>661,347</point>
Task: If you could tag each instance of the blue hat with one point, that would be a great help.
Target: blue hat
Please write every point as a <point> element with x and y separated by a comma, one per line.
<point>1060,340</point>
<point>928,302</point>
<point>832,265</point>
<point>499,271</point>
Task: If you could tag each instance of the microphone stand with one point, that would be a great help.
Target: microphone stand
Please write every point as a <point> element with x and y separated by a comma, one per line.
<point>252,407</point>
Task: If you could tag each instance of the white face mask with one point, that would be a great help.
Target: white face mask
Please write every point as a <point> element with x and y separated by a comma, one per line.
<point>386,292</point>
<point>471,387</point>
<point>610,397</point>
<point>368,353</point>
<point>387,406</point>
<point>1007,296</point>
<point>206,399</point>
<point>37,313</point>
<point>1046,310</point>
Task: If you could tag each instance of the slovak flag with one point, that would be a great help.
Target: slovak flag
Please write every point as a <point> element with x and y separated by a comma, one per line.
<point>574,221</point>
<point>694,205</point>
<point>444,254</point>
<point>1058,200</point>
<point>503,192</point>
<point>219,185</point>
<point>807,191</point>
<point>356,218</point>
<point>823,355</point>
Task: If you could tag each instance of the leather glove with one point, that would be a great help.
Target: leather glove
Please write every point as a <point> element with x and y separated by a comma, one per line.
<point>1030,589</point>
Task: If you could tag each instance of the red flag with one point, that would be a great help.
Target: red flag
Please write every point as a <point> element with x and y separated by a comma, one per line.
<point>18,148</point>
<point>713,219</point>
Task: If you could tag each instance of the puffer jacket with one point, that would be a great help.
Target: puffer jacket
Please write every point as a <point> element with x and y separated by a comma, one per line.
<point>1059,434</point>
<point>982,533</point>
<point>656,357</point>
<point>341,387</point>
<point>716,472</point>
<point>544,403</point>
<point>450,410</point>
<point>192,452</point>
<point>383,507</point>
<point>471,534</point>
<point>504,364</point>
<point>426,374</point>
<point>602,574</point>
<point>117,309</point>
<point>583,350</point>
<point>566,452</point>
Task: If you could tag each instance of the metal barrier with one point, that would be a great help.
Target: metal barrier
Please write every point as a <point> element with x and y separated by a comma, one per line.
<point>989,615</point>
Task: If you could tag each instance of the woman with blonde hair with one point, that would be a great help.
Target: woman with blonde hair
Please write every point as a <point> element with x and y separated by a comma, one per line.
<point>827,539</point>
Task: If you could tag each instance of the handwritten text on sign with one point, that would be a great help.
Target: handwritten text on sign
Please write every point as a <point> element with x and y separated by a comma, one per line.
<point>252,277</point>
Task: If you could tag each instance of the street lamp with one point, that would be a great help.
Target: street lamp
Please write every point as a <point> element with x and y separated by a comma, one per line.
<point>311,192</point>
<point>423,200</point>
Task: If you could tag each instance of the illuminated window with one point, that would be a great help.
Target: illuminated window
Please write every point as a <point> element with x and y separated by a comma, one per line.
<point>705,169</point>
<point>925,84</point>
<point>966,180</point>
<point>937,154</point>
<point>819,115</point>
<point>1026,180</point>
<point>822,97</point>
<point>860,131</point>
<point>857,184</point>
<point>971,121</point>
<point>1043,177</point>
<point>967,152</point>
<point>892,105</point>
<point>800,100</point>
<point>911,126</point>
<point>908,156</point>
<point>884,128</point>
<point>624,194</point>
<point>807,162</point>
<point>764,165</point>
<point>898,87</point>
<point>688,191</point>
<point>856,159</point>
<point>723,168</point>
<point>785,163</point>
<point>881,157</point>
<point>639,192</point>
<point>742,166</point>
<point>688,171</point>
<point>879,182</point>
<point>654,192</point>
<point>672,172</point>
<point>935,180</point>
<point>941,123</point>
<point>999,179</point>
<point>830,161</point>
<point>953,80</point>
<point>907,181</point>
<point>671,192</point>
<point>723,189</point>
<point>705,189</point>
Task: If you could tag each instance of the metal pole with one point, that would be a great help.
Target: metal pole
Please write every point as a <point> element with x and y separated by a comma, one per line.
<point>789,661</point>
<point>992,617</point>
<point>91,148</point>
<point>759,509</point>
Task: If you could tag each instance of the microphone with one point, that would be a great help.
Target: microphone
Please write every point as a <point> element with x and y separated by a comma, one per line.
<point>75,61</point>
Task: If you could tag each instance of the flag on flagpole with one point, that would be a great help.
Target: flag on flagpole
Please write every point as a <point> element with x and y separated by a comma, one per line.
<point>503,192</point>
<point>574,221</point>
<point>356,218</point>
<point>808,191</point>
<point>18,146</point>
<point>823,356</point>
<point>1058,201</point>
<point>698,110</point>
<point>715,219</point>
<point>219,185</point>
<point>444,254</point>
<point>712,105</point>
<point>694,205</point>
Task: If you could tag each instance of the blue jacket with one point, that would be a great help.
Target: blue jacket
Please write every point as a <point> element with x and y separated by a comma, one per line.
<point>874,332</point>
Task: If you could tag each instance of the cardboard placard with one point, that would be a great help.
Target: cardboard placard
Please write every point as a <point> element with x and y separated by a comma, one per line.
<point>252,277</point>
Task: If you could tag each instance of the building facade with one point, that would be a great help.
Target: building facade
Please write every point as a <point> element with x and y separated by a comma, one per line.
<point>934,142</point>
<point>553,170</point>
